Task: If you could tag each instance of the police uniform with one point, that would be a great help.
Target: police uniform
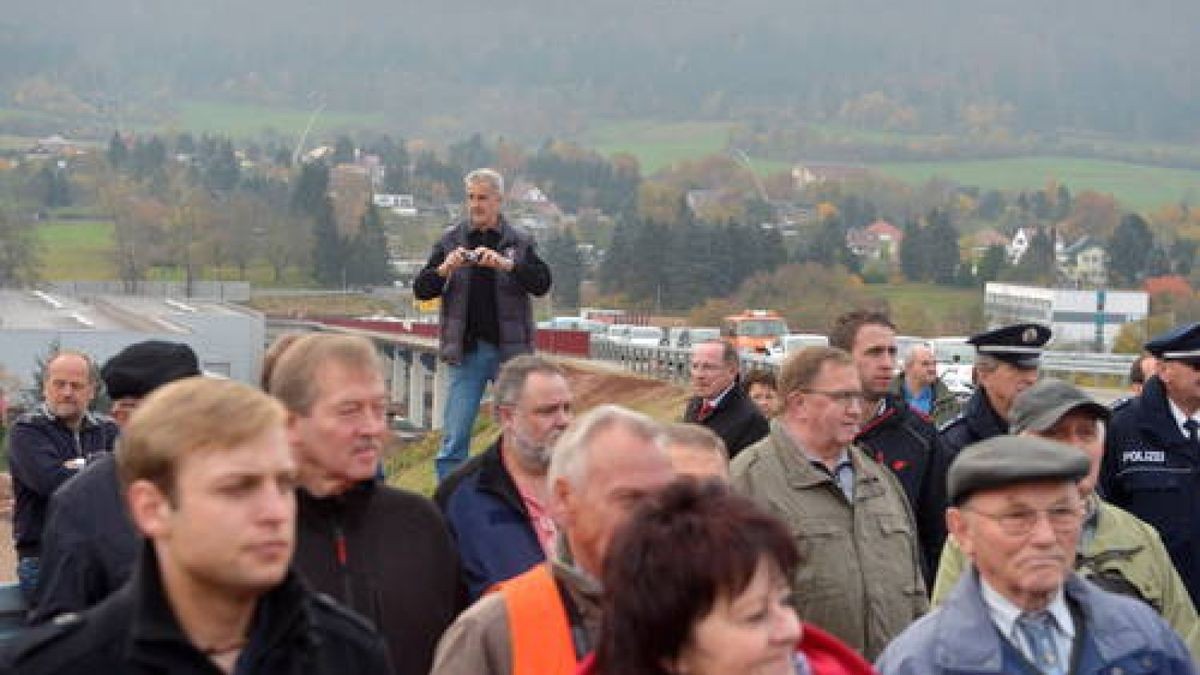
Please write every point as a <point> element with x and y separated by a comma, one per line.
<point>1151,468</point>
<point>1019,345</point>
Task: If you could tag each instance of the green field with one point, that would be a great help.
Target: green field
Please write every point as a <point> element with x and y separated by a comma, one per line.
<point>244,121</point>
<point>77,249</point>
<point>1136,186</point>
<point>657,145</point>
<point>926,309</point>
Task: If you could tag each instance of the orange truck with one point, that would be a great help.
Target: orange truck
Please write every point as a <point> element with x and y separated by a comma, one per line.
<point>754,330</point>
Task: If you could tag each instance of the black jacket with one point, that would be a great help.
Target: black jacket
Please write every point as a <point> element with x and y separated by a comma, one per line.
<point>386,554</point>
<point>38,446</point>
<point>977,422</point>
<point>906,442</point>
<point>89,547</point>
<point>1151,470</point>
<point>736,420</point>
<point>134,632</point>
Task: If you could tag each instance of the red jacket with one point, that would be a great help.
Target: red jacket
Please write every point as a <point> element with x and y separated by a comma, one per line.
<point>826,656</point>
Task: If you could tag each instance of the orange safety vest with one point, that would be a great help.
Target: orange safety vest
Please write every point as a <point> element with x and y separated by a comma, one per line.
<point>538,628</point>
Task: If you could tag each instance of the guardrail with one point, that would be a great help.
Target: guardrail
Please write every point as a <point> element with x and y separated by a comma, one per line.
<point>671,363</point>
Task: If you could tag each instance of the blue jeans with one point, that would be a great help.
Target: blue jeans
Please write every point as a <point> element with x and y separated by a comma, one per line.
<point>27,577</point>
<point>467,382</point>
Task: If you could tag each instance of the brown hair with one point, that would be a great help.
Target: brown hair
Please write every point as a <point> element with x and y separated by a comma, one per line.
<point>845,327</point>
<point>271,357</point>
<point>687,547</point>
<point>760,376</point>
<point>193,415</point>
<point>801,369</point>
<point>293,379</point>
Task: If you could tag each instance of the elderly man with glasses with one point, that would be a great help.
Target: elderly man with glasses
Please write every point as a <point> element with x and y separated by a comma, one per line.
<point>860,578</point>
<point>1017,514</point>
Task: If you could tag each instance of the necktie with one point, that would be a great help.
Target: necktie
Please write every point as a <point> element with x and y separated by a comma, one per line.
<point>706,409</point>
<point>1037,629</point>
<point>1192,425</point>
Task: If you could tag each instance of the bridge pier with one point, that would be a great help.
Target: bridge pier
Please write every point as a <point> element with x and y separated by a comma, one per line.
<point>416,392</point>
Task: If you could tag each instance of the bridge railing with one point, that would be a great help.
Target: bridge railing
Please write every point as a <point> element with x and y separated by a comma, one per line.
<point>671,363</point>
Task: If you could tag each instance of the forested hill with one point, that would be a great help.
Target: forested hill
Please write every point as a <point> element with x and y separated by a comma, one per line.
<point>1115,67</point>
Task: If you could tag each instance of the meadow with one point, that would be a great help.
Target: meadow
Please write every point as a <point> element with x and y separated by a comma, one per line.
<point>249,121</point>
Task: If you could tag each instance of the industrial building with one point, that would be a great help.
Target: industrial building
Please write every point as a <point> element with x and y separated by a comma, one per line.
<point>1082,320</point>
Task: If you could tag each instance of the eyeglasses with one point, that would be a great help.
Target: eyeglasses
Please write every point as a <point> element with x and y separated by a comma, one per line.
<point>1021,522</point>
<point>842,397</point>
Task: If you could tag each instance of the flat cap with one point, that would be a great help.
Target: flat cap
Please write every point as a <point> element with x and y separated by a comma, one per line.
<point>1041,406</point>
<point>1010,460</point>
<point>143,367</point>
<point>1181,343</point>
<point>1019,344</point>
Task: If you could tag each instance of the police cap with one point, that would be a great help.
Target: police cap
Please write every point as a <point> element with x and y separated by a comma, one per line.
<point>1019,344</point>
<point>143,367</point>
<point>1041,406</point>
<point>1181,343</point>
<point>1001,461</point>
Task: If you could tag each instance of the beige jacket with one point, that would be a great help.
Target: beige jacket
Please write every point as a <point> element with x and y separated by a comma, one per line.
<point>478,643</point>
<point>860,572</point>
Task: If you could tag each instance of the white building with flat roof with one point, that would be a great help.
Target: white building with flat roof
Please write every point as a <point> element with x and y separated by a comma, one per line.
<point>1082,320</point>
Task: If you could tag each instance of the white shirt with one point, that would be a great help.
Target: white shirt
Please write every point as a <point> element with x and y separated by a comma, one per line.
<point>1180,418</point>
<point>1004,615</point>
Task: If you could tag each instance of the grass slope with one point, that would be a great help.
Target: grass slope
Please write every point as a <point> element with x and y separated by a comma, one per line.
<point>77,250</point>
<point>244,121</point>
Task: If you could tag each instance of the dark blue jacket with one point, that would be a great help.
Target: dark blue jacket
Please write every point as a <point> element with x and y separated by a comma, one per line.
<point>489,522</point>
<point>89,546</point>
<point>1151,470</point>
<point>1117,634</point>
<point>978,421</point>
<point>38,447</point>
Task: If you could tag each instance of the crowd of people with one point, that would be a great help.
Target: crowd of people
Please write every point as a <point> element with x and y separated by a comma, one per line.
<point>839,517</point>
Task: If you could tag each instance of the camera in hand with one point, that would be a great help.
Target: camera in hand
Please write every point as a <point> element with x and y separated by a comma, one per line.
<point>471,257</point>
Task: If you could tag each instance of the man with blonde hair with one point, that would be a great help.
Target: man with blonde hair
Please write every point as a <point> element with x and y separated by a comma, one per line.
<point>208,479</point>
<point>379,550</point>
<point>861,577</point>
<point>484,269</point>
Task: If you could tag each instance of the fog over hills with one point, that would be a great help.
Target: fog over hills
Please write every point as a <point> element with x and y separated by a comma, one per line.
<point>537,67</point>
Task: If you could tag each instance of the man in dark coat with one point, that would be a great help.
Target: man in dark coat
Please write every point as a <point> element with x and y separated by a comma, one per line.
<point>1152,458</point>
<point>381,551</point>
<point>90,546</point>
<point>209,481</point>
<point>897,436</point>
<point>718,402</point>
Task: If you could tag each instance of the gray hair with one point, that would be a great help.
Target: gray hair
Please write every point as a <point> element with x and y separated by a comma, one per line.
<point>489,176</point>
<point>510,382</point>
<point>573,450</point>
<point>986,363</point>
<point>695,436</point>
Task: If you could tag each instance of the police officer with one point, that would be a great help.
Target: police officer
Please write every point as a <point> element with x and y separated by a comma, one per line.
<point>1152,459</point>
<point>1006,363</point>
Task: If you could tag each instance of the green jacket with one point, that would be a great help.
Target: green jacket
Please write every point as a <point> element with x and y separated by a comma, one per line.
<point>945,406</point>
<point>860,573</point>
<point>1125,545</point>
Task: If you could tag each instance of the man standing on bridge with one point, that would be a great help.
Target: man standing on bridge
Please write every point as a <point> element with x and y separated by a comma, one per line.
<point>1152,459</point>
<point>484,269</point>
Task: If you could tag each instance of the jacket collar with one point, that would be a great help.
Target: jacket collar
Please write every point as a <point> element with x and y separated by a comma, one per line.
<point>795,467</point>
<point>155,636</point>
<point>349,504</point>
<point>1156,420</point>
<point>494,478</point>
<point>90,419</point>
<point>507,236</point>
<point>968,641</point>
<point>982,418</point>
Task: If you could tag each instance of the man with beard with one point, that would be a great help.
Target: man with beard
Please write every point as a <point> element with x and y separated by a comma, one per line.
<point>496,504</point>
<point>381,551</point>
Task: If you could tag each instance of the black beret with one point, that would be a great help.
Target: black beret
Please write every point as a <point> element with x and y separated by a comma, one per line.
<point>1181,343</point>
<point>143,367</point>
<point>1009,460</point>
<point>1041,406</point>
<point>1019,344</point>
